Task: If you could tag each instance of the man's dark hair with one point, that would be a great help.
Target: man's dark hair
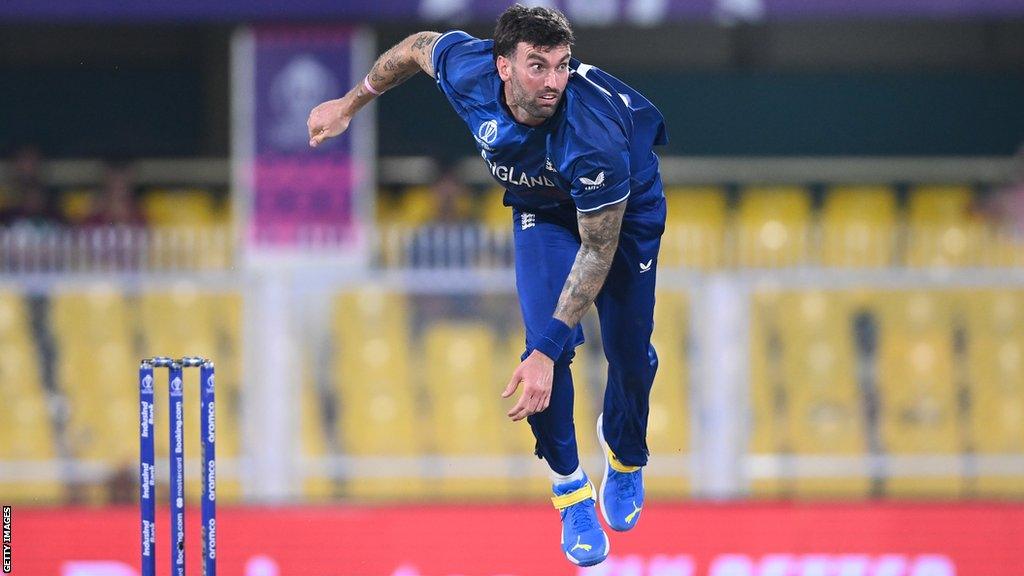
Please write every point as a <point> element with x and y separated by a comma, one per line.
<point>543,27</point>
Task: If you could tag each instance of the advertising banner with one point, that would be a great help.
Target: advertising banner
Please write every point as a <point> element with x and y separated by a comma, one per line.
<point>292,197</point>
<point>671,540</point>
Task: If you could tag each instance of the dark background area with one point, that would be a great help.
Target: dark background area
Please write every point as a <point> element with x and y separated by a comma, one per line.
<point>850,88</point>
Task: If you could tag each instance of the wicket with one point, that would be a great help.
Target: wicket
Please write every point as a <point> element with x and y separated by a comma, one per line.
<point>176,457</point>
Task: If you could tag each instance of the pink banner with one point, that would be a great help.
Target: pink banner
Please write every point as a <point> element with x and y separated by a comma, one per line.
<point>301,197</point>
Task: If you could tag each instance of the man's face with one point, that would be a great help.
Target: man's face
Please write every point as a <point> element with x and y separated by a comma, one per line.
<point>536,77</point>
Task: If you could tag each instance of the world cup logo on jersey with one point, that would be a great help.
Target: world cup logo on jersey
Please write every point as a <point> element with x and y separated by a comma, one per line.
<point>488,132</point>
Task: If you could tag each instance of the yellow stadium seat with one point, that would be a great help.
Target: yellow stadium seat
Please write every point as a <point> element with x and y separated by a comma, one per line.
<point>668,424</point>
<point>93,332</point>
<point>415,206</point>
<point>28,427</point>
<point>76,205</point>
<point>859,227</point>
<point>180,207</point>
<point>178,322</point>
<point>467,416</point>
<point>494,213</point>
<point>588,398</point>
<point>186,321</point>
<point>772,227</point>
<point>994,338</point>
<point>941,233</point>
<point>379,414</point>
<point>806,400</point>
<point>769,435</point>
<point>29,439</point>
<point>316,486</point>
<point>695,228</point>
<point>918,413</point>
<point>826,415</point>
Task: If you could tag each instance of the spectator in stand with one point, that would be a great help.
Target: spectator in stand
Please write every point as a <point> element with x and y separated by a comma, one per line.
<point>1004,207</point>
<point>443,242</point>
<point>32,203</point>
<point>116,204</point>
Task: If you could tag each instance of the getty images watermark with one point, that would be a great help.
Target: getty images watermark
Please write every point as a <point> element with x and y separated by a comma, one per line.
<point>7,539</point>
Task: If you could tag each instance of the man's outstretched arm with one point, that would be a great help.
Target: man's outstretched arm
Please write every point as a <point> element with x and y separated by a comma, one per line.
<point>393,67</point>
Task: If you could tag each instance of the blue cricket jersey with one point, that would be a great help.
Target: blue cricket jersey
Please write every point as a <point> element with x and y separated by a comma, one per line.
<point>596,150</point>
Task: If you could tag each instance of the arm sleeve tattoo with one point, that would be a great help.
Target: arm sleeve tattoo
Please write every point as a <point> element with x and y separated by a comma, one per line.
<point>404,60</point>
<point>599,232</point>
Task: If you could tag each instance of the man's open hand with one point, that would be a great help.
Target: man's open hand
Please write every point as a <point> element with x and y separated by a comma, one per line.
<point>327,120</point>
<point>536,374</point>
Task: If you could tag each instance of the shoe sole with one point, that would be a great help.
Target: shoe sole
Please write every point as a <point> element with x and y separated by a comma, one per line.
<point>604,480</point>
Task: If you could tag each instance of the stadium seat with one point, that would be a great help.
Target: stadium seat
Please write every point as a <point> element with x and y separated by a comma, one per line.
<point>941,232</point>
<point>379,412</point>
<point>416,205</point>
<point>918,410</point>
<point>187,321</point>
<point>226,318</point>
<point>805,398</point>
<point>589,371</point>
<point>994,341</point>
<point>859,227</point>
<point>768,433</point>
<point>93,332</point>
<point>313,426</point>
<point>772,227</point>
<point>493,213</point>
<point>695,228</point>
<point>467,415</point>
<point>29,437</point>
<point>668,425</point>
<point>76,205</point>
<point>180,207</point>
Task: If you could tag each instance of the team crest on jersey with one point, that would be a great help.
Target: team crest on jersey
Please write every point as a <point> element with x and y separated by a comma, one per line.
<point>488,132</point>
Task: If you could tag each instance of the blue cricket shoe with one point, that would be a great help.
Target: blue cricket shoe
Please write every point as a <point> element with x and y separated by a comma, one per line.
<point>583,540</point>
<point>622,490</point>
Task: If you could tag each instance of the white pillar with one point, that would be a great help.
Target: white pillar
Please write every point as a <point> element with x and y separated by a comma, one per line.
<point>270,392</point>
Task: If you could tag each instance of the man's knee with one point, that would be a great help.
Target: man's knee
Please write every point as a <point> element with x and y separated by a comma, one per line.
<point>639,360</point>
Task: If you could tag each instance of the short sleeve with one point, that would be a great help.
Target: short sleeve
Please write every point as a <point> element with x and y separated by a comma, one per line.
<point>459,60</point>
<point>599,166</point>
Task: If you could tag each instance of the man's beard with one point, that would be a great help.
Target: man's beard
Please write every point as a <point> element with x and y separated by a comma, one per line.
<point>528,102</point>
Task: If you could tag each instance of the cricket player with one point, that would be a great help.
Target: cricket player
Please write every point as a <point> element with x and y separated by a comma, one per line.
<point>573,148</point>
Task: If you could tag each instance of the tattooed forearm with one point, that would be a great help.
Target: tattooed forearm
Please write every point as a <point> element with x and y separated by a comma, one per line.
<point>403,61</point>
<point>600,234</point>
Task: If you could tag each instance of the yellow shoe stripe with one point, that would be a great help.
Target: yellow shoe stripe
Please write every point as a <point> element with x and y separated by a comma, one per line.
<point>575,497</point>
<point>619,466</point>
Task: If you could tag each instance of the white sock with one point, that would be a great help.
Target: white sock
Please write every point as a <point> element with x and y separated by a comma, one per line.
<point>576,476</point>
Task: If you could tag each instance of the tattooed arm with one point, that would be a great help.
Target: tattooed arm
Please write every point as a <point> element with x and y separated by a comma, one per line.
<point>393,67</point>
<point>599,231</point>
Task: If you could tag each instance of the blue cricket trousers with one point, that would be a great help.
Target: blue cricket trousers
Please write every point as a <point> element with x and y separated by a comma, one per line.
<point>546,243</point>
